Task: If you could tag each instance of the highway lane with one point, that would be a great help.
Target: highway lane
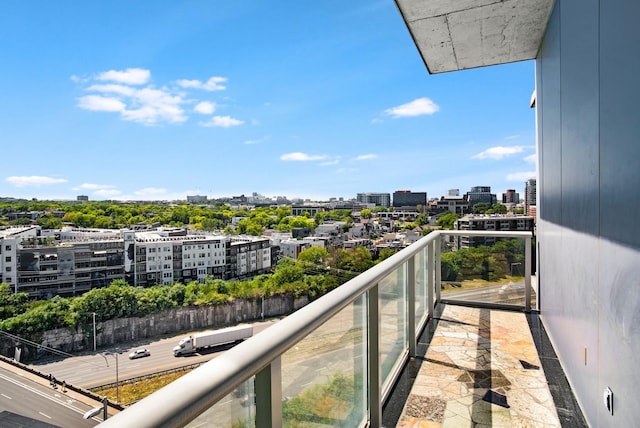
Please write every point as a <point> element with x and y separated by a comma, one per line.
<point>25,397</point>
<point>89,370</point>
<point>511,293</point>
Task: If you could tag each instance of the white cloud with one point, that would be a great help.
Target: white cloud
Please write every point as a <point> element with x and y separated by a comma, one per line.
<point>213,84</point>
<point>366,157</point>
<point>130,76</point>
<point>127,92</point>
<point>531,158</point>
<point>498,152</point>
<point>155,105</point>
<point>521,176</point>
<point>100,103</point>
<point>113,88</point>
<point>222,121</point>
<point>298,156</point>
<point>205,107</point>
<point>33,180</point>
<point>418,107</point>
<point>92,186</point>
<point>330,163</point>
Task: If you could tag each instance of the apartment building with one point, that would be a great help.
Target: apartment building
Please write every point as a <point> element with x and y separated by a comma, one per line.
<point>72,261</point>
<point>493,222</point>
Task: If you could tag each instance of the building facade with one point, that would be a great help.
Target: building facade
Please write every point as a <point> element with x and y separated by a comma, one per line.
<point>409,199</point>
<point>479,194</point>
<point>530,194</point>
<point>378,199</point>
<point>70,262</point>
<point>492,222</point>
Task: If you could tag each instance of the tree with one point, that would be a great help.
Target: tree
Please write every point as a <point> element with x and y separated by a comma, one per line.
<point>314,256</point>
<point>480,207</point>
<point>447,220</point>
<point>365,213</point>
<point>499,209</point>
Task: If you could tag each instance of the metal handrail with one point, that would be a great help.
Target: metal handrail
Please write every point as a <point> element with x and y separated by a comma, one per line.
<point>183,400</point>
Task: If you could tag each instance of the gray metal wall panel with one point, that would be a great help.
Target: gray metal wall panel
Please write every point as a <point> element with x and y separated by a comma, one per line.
<point>549,190</point>
<point>588,232</point>
<point>620,121</point>
<point>619,300</point>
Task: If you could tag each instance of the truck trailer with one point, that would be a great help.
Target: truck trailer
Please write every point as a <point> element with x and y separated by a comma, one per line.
<point>206,339</point>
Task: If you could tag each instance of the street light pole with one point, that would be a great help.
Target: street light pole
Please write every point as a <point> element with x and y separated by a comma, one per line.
<point>94,331</point>
<point>115,354</point>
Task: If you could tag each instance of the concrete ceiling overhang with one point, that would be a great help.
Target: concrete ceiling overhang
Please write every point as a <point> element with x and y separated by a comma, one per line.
<point>460,34</point>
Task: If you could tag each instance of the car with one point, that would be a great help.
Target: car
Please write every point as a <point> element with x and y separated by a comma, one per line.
<point>139,353</point>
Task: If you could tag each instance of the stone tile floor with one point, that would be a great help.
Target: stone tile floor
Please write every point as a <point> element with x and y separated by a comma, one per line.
<point>481,369</point>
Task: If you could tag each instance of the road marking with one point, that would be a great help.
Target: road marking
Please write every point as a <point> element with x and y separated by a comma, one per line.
<point>45,415</point>
<point>6,396</point>
<point>42,394</point>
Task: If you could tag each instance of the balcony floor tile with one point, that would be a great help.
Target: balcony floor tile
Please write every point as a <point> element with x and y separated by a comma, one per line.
<point>481,368</point>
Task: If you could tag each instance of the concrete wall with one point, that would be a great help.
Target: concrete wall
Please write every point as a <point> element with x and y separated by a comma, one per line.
<point>170,322</point>
<point>589,200</point>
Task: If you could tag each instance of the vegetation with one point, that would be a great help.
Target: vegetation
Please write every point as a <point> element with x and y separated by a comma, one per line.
<point>484,262</point>
<point>447,220</point>
<point>321,404</point>
<point>314,274</point>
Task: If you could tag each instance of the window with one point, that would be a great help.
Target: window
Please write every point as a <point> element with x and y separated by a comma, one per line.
<point>8,247</point>
<point>8,269</point>
<point>8,259</point>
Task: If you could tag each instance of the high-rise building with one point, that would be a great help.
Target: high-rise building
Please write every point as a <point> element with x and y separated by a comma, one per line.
<point>409,199</point>
<point>479,194</point>
<point>510,196</point>
<point>529,194</point>
<point>453,192</point>
<point>379,199</point>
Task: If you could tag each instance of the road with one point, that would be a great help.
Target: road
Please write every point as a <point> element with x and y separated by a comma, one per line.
<point>89,370</point>
<point>23,396</point>
<point>512,293</point>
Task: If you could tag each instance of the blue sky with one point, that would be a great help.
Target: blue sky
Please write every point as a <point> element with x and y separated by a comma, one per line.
<point>151,100</point>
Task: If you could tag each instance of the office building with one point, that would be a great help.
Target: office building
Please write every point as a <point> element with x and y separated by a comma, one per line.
<point>479,194</point>
<point>378,199</point>
<point>408,199</point>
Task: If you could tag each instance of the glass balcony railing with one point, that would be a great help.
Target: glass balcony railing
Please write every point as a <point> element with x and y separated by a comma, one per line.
<point>335,361</point>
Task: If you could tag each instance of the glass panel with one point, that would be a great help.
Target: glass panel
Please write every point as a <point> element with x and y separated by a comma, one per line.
<point>484,269</point>
<point>236,410</point>
<point>421,287</point>
<point>393,315</point>
<point>324,375</point>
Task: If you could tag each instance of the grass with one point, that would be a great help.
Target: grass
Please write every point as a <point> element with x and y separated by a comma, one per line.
<point>135,391</point>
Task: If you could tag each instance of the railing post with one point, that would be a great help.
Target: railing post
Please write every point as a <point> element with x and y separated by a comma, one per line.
<point>527,274</point>
<point>430,265</point>
<point>268,390</point>
<point>373,357</point>
<point>411,305</point>
<point>437,247</point>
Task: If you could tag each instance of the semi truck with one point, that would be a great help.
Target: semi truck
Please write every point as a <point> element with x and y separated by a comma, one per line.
<point>206,339</point>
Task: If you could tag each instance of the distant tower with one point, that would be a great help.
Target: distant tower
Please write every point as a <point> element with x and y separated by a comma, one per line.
<point>453,192</point>
<point>529,195</point>
<point>510,197</point>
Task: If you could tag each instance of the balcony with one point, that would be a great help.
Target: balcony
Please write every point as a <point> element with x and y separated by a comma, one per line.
<point>431,335</point>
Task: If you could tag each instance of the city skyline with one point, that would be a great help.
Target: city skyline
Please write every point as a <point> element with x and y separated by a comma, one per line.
<point>157,101</point>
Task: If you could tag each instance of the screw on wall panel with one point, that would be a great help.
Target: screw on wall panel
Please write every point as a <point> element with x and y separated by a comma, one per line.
<point>608,400</point>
